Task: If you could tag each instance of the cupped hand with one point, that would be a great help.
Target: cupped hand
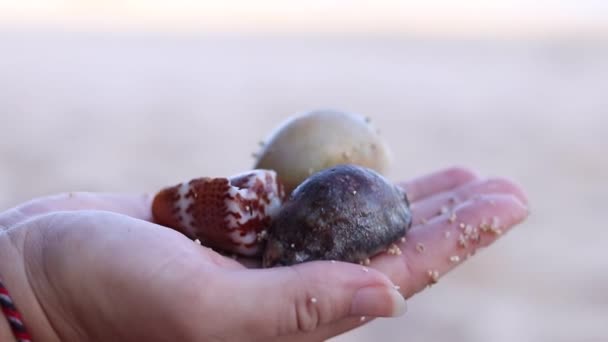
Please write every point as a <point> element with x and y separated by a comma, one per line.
<point>94,267</point>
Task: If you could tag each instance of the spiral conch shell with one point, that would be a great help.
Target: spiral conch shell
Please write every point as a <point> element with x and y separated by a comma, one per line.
<point>228,214</point>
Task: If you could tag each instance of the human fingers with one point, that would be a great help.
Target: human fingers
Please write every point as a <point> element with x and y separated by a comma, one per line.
<point>447,240</point>
<point>444,202</point>
<point>434,249</point>
<point>440,181</point>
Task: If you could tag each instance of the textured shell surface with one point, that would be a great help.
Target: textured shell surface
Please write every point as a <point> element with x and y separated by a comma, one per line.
<point>346,213</point>
<point>228,214</point>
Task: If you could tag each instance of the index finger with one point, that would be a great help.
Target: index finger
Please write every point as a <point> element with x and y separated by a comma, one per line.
<point>134,205</point>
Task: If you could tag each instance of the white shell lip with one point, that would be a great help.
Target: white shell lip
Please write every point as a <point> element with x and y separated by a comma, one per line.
<point>248,243</point>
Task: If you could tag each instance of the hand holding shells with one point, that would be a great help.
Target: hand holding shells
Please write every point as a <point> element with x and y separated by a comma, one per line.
<point>319,192</point>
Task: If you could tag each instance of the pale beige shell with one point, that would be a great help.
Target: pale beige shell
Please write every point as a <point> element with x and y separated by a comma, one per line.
<point>316,140</point>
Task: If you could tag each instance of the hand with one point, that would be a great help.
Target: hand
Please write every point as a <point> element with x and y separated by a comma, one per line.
<point>93,267</point>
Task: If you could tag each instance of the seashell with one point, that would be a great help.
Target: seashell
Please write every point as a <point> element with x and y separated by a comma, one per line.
<point>316,140</point>
<point>347,213</point>
<point>228,214</point>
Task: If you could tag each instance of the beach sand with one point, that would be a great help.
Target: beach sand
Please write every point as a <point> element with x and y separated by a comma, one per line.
<point>135,112</point>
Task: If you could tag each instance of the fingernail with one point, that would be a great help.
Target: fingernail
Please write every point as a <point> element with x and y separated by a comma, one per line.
<point>378,301</point>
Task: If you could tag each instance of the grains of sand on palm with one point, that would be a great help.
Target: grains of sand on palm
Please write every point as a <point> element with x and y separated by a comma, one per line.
<point>484,226</point>
<point>365,262</point>
<point>495,226</point>
<point>394,250</point>
<point>434,275</point>
<point>462,241</point>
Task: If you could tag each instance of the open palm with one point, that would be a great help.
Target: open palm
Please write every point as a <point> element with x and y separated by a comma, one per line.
<point>94,267</point>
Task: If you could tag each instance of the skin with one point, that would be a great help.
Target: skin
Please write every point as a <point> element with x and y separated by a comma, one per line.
<point>93,267</point>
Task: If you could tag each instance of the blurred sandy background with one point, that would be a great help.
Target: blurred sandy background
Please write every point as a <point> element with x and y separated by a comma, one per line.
<point>135,95</point>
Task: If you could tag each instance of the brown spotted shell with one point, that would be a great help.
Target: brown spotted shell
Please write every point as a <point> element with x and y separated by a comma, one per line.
<point>347,213</point>
<point>228,214</point>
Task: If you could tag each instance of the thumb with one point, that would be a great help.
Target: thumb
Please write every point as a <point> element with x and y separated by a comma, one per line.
<point>303,297</point>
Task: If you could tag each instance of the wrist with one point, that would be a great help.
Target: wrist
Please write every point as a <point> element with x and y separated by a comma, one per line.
<point>5,330</point>
<point>15,279</point>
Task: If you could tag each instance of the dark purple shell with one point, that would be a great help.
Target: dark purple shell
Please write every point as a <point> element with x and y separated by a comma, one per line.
<point>346,213</point>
